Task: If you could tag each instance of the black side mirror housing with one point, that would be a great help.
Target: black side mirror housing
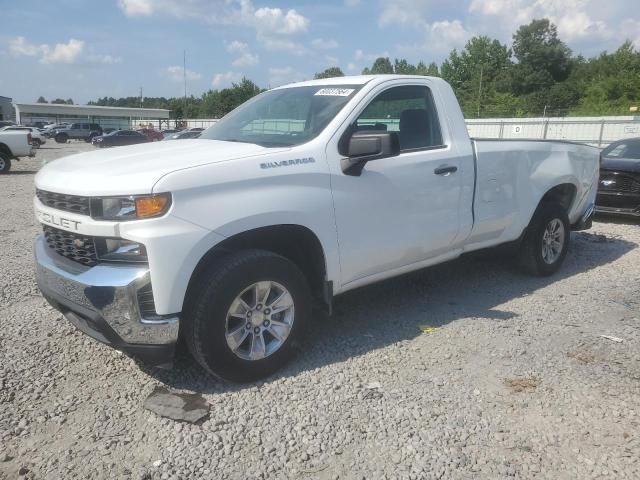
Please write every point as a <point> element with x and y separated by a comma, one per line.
<point>367,145</point>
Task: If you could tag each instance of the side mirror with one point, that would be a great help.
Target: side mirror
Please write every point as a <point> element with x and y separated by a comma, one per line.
<point>365,146</point>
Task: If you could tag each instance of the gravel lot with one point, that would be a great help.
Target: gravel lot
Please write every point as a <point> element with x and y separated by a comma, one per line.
<point>513,380</point>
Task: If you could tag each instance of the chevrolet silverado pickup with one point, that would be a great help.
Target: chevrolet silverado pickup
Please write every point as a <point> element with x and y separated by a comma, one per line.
<point>13,145</point>
<point>300,194</point>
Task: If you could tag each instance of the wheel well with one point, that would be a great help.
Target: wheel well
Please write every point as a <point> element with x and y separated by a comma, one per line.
<point>563,195</point>
<point>294,242</point>
<point>5,149</point>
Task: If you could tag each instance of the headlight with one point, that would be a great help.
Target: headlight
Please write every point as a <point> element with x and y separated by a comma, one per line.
<point>130,208</point>
<point>120,250</point>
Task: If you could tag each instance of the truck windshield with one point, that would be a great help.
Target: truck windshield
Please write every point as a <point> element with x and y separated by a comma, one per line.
<point>283,117</point>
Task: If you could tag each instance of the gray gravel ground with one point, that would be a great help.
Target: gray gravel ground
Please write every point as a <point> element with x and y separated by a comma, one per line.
<point>513,381</point>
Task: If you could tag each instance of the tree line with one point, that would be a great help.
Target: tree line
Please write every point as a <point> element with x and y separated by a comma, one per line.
<point>536,75</point>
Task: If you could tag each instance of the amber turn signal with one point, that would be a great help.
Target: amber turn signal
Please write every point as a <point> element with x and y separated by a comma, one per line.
<point>152,206</point>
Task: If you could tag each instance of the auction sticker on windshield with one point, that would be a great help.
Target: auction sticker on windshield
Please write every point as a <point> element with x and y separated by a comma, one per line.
<point>335,92</point>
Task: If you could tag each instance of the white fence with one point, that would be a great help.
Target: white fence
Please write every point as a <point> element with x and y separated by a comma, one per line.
<point>598,131</point>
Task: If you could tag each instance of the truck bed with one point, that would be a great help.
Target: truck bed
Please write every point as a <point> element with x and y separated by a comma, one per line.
<point>512,174</point>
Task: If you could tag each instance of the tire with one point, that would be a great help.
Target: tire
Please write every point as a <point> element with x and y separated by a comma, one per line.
<point>5,163</point>
<point>38,142</point>
<point>532,256</point>
<point>61,138</point>
<point>208,319</point>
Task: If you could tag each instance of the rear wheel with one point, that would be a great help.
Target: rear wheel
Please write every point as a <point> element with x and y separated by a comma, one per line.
<point>546,241</point>
<point>247,316</point>
<point>5,163</point>
<point>61,138</point>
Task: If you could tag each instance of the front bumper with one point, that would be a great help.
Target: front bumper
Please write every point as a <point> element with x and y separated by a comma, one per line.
<point>102,301</point>
<point>627,204</point>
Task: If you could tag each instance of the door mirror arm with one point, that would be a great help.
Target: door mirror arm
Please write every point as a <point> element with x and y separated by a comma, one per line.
<point>367,145</point>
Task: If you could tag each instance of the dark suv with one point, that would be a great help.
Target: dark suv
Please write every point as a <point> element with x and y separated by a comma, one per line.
<point>79,131</point>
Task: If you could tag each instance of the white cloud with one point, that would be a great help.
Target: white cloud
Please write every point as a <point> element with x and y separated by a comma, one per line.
<point>322,44</point>
<point>104,59</point>
<point>221,80</point>
<point>273,26</point>
<point>352,68</point>
<point>62,52</point>
<point>570,16</point>
<point>58,53</point>
<point>631,30</point>
<point>237,47</point>
<point>132,8</point>
<point>246,60</point>
<point>19,46</point>
<point>176,73</point>
<point>276,21</point>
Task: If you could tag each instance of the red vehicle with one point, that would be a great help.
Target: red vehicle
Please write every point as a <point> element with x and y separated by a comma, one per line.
<point>151,134</point>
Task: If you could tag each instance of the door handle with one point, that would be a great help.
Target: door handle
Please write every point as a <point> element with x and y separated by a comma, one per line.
<point>445,170</point>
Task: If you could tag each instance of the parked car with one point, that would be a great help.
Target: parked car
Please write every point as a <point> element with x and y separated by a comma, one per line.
<point>78,131</point>
<point>52,129</point>
<point>13,145</point>
<point>184,134</point>
<point>619,188</point>
<point>151,134</point>
<point>37,138</point>
<point>228,240</point>
<point>119,138</point>
<point>6,123</point>
<point>169,131</point>
<point>37,124</point>
<point>108,130</point>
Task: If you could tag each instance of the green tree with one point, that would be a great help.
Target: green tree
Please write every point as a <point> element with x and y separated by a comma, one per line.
<point>380,66</point>
<point>476,73</point>
<point>329,73</point>
<point>41,99</point>
<point>217,103</point>
<point>543,59</point>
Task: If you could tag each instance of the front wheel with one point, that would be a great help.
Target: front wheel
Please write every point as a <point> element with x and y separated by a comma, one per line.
<point>5,163</point>
<point>247,316</point>
<point>546,241</point>
<point>61,138</point>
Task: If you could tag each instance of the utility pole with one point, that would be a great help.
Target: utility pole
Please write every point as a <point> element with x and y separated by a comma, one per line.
<point>480,90</point>
<point>184,75</point>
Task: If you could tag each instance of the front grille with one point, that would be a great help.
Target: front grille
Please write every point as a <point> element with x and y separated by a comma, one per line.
<point>610,182</point>
<point>79,248</point>
<point>68,203</point>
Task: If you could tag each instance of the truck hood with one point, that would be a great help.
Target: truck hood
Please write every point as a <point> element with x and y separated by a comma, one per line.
<point>136,169</point>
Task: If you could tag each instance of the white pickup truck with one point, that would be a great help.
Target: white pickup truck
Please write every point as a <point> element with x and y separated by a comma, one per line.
<point>300,194</point>
<point>13,145</point>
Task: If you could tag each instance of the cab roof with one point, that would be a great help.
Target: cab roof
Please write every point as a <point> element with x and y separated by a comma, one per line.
<point>350,80</point>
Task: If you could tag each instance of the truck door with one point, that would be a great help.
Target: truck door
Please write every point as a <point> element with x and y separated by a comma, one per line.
<point>401,210</point>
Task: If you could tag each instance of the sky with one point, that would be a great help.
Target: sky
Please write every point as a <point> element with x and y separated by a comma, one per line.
<point>86,50</point>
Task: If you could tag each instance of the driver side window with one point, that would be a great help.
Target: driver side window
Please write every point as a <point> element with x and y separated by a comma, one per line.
<point>408,110</point>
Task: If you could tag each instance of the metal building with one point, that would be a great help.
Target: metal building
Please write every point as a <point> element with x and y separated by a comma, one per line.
<point>6,108</point>
<point>113,117</point>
